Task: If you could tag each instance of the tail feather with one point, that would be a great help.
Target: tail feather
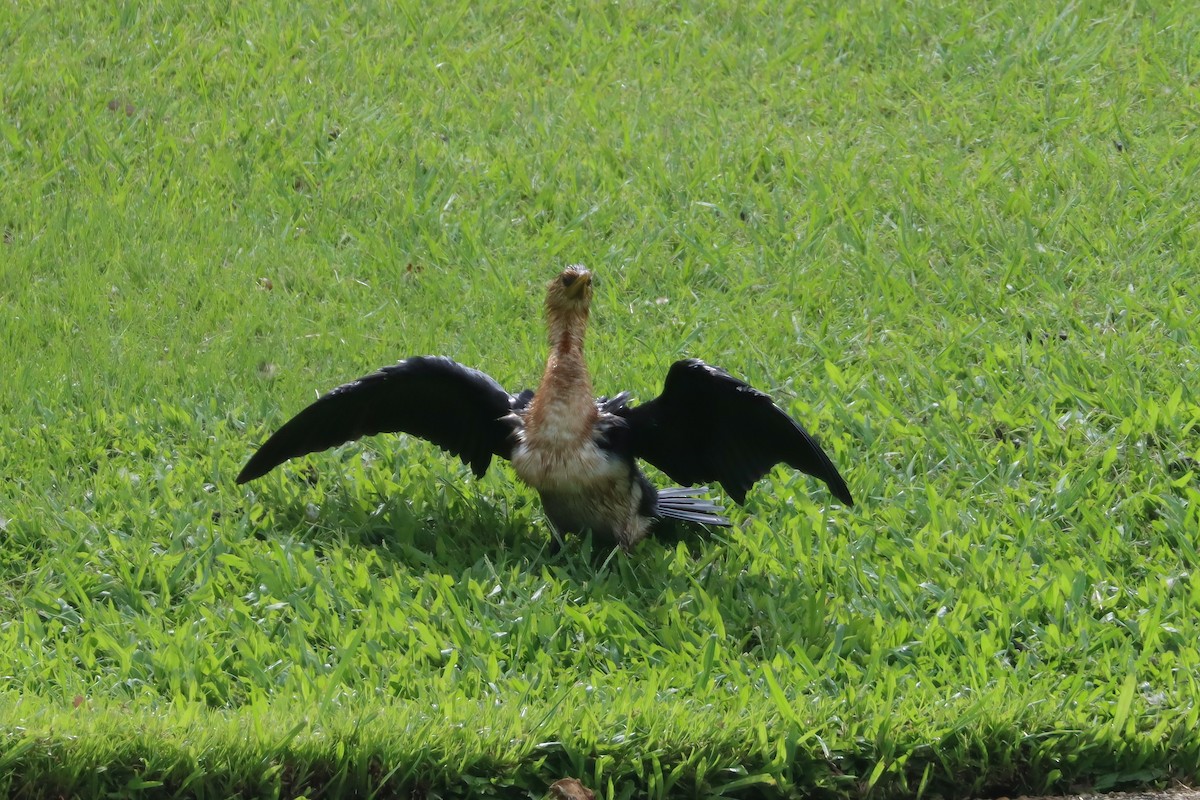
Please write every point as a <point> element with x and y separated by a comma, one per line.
<point>690,505</point>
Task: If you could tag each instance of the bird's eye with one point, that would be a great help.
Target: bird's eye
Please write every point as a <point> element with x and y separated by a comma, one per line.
<point>568,278</point>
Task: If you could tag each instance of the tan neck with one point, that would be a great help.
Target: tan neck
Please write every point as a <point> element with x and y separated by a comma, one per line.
<point>564,408</point>
<point>566,335</point>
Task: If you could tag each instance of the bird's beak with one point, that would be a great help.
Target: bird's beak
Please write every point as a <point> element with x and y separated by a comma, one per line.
<point>580,286</point>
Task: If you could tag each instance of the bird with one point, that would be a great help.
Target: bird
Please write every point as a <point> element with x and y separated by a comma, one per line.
<point>579,452</point>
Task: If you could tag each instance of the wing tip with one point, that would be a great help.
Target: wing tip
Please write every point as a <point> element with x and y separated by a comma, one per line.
<point>258,465</point>
<point>249,473</point>
<point>837,484</point>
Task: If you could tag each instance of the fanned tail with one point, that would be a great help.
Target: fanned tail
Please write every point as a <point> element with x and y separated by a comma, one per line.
<point>690,505</point>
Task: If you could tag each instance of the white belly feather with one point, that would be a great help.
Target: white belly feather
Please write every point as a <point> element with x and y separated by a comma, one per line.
<point>583,488</point>
<point>555,468</point>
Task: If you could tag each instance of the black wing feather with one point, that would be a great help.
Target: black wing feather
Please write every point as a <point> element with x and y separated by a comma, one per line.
<point>459,409</point>
<point>709,426</point>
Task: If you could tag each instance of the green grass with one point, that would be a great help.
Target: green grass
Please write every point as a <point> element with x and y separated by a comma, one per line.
<point>958,241</point>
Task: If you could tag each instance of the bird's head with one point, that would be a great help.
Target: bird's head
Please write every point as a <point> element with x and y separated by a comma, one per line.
<point>570,292</point>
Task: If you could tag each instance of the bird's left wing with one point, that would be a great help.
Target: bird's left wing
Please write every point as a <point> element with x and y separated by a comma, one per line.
<point>461,410</point>
<point>709,426</point>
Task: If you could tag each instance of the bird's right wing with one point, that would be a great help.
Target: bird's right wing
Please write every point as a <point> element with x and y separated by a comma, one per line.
<point>461,410</point>
<point>709,426</point>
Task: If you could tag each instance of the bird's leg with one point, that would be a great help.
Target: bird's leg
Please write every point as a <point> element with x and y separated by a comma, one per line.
<point>556,540</point>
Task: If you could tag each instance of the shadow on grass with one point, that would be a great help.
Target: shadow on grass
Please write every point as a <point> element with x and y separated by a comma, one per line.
<point>462,529</point>
<point>454,533</point>
<point>681,577</point>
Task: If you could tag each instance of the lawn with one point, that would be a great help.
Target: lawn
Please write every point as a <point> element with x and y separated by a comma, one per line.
<point>958,241</point>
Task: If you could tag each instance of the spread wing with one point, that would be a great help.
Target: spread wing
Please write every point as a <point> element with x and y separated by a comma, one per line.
<point>709,426</point>
<point>457,408</point>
